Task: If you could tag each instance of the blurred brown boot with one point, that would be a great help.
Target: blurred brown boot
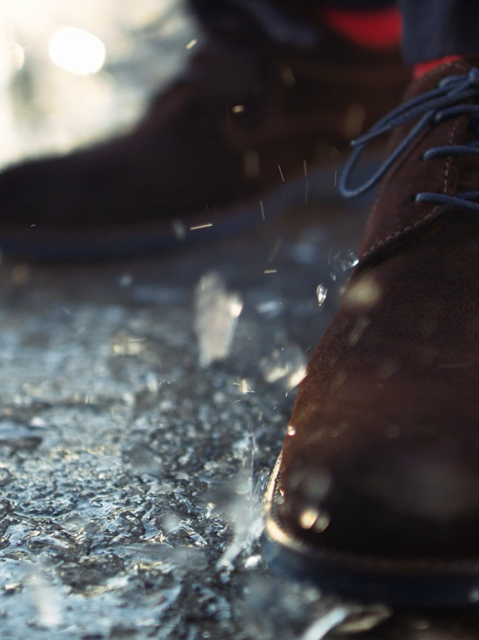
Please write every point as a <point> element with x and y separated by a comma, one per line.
<point>376,494</point>
<point>249,118</point>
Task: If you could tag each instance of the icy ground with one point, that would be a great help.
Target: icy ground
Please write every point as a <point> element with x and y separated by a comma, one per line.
<point>131,472</point>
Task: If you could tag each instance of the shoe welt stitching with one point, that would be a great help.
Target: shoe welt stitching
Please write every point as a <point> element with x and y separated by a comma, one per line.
<point>394,236</point>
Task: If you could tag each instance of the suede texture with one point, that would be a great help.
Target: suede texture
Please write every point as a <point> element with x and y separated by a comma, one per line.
<point>383,459</point>
<point>392,218</point>
<point>194,152</point>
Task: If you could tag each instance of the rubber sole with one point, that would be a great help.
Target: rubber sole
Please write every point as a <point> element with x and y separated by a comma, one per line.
<point>125,240</point>
<point>428,583</point>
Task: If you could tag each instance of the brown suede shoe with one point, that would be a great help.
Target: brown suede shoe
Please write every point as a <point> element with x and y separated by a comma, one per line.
<point>248,119</point>
<point>376,493</point>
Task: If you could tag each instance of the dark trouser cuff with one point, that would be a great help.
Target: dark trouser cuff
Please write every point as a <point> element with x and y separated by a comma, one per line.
<point>434,29</point>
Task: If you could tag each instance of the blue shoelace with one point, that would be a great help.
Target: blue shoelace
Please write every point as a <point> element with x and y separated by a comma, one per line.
<point>431,108</point>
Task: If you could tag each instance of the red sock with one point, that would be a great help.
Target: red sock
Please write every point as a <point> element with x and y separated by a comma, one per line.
<point>423,67</point>
<point>377,29</point>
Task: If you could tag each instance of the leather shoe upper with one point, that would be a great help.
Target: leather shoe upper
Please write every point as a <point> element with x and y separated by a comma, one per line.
<point>382,456</point>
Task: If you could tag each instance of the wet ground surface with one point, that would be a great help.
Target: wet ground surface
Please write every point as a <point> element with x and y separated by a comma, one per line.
<point>132,468</point>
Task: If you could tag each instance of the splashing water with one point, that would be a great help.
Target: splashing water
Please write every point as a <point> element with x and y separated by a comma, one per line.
<point>286,364</point>
<point>244,509</point>
<point>47,602</point>
<point>217,313</point>
<point>341,263</point>
<point>321,293</point>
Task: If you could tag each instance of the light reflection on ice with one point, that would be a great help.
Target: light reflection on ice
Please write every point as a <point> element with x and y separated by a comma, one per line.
<point>112,462</point>
<point>326,623</point>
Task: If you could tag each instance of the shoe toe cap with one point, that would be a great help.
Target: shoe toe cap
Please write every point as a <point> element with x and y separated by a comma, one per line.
<point>397,501</point>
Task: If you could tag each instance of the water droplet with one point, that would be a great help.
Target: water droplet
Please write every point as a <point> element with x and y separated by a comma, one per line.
<point>245,386</point>
<point>285,364</point>
<point>322,522</point>
<point>252,562</point>
<point>269,308</point>
<point>474,595</point>
<point>291,431</point>
<point>308,517</point>
<point>179,229</point>
<point>310,245</point>
<point>342,261</point>
<point>126,280</point>
<point>123,344</point>
<point>321,293</point>
<point>152,382</point>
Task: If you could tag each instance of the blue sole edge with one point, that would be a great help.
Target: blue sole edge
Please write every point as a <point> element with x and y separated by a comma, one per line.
<point>400,582</point>
<point>398,590</point>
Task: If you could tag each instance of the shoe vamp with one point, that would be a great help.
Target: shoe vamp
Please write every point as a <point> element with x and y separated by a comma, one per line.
<point>390,406</point>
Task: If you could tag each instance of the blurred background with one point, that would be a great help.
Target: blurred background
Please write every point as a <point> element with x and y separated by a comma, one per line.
<point>73,72</point>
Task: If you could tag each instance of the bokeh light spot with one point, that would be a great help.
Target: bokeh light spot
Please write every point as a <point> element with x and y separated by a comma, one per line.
<point>76,50</point>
